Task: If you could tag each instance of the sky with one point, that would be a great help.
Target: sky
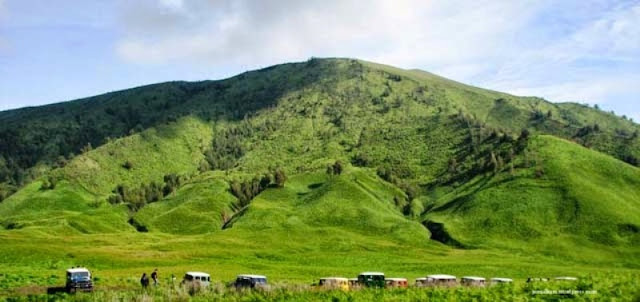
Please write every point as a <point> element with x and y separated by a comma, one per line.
<point>564,51</point>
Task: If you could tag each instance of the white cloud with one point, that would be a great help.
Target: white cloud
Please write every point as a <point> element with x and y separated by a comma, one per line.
<point>598,62</point>
<point>407,33</point>
<point>616,34</point>
<point>592,90</point>
<point>172,4</point>
<point>563,51</point>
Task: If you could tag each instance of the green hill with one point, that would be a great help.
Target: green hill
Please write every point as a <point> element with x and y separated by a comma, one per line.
<point>562,202</point>
<point>431,173</point>
<point>196,208</point>
<point>319,90</point>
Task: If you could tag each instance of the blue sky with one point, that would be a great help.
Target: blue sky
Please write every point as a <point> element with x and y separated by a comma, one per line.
<point>579,51</point>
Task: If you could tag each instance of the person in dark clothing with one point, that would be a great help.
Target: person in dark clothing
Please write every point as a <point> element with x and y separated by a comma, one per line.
<point>144,281</point>
<point>154,276</point>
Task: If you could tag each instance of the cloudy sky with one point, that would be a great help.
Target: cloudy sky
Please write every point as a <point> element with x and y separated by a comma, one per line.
<point>581,51</point>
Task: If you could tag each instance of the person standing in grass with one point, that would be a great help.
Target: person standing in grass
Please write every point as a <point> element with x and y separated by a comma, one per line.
<point>154,276</point>
<point>144,280</point>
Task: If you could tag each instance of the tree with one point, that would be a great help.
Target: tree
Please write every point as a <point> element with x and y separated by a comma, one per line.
<point>500,162</point>
<point>171,182</point>
<point>538,115</point>
<point>48,183</point>
<point>493,162</point>
<point>524,134</point>
<point>248,194</point>
<point>416,208</point>
<point>406,209</point>
<point>330,170</point>
<point>523,140</point>
<point>86,148</point>
<point>386,174</point>
<point>337,168</point>
<point>632,160</point>
<point>453,165</point>
<point>61,161</point>
<point>280,177</point>
<point>255,186</point>
<point>410,190</point>
<point>127,165</point>
<point>204,166</point>
<point>265,181</point>
<point>361,160</point>
<point>153,192</point>
<point>511,160</point>
<point>114,199</point>
<point>399,201</point>
<point>236,190</point>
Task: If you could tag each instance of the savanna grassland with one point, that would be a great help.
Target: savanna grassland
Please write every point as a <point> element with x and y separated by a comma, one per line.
<point>325,167</point>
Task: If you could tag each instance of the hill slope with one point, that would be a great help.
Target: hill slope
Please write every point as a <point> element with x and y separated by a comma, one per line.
<point>379,162</point>
<point>36,139</point>
<point>564,200</point>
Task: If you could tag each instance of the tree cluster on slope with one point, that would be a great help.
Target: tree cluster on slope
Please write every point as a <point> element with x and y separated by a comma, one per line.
<point>246,190</point>
<point>136,198</point>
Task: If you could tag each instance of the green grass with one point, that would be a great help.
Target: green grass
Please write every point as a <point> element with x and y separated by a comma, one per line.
<point>195,208</point>
<point>174,148</point>
<point>590,288</point>
<point>569,211</point>
<point>563,210</point>
<point>315,226</point>
<point>78,202</point>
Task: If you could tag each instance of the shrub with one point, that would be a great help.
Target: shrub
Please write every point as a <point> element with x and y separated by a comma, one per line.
<point>280,177</point>
<point>127,165</point>
<point>361,160</point>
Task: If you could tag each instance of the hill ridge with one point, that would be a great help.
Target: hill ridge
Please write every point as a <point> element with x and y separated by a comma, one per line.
<point>323,167</point>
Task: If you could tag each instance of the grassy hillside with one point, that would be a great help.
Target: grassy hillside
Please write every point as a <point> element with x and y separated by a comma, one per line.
<point>564,201</point>
<point>198,207</point>
<point>39,138</point>
<point>386,169</point>
<point>315,226</point>
<point>78,201</point>
<point>314,205</point>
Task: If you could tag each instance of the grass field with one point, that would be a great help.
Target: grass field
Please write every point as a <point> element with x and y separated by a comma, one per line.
<point>589,288</point>
<point>316,226</point>
<point>117,262</point>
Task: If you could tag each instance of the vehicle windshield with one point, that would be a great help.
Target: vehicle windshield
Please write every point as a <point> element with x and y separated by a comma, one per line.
<point>261,280</point>
<point>79,275</point>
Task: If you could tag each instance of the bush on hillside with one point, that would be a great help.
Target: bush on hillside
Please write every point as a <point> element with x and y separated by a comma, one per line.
<point>335,169</point>
<point>49,183</point>
<point>280,177</point>
<point>127,165</point>
<point>151,192</point>
<point>171,183</point>
<point>246,190</point>
<point>361,160</point>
